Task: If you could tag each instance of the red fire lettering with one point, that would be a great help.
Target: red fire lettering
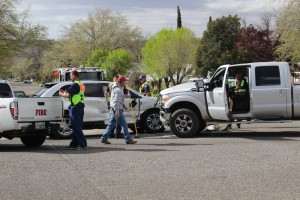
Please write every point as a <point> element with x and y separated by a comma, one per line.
<point>40,112</point>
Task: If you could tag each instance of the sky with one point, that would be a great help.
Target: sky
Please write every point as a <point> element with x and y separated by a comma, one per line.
<point>148,15</point>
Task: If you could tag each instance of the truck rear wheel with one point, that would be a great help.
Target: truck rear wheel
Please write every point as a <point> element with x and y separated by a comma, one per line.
<point>184,123</point>
<point>33,140</point>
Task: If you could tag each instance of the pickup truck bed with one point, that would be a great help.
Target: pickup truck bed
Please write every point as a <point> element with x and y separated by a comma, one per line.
<point>31,119</point>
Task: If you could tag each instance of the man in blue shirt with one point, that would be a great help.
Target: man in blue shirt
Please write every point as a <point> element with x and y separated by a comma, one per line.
<point>75,94</point>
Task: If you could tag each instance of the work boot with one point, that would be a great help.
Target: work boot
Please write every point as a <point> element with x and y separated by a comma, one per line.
<point>131,142</point>
<point>105,142</point>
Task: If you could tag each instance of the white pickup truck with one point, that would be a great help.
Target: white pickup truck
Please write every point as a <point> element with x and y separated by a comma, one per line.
<point>189,108</point>
<point>96,112</point>
<point>31,119</point>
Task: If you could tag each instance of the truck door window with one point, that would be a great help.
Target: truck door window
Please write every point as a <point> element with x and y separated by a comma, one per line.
<point>217,79</point>
<point>267,75</point>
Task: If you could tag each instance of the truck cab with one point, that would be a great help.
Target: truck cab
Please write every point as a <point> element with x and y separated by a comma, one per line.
<point>268,93</point>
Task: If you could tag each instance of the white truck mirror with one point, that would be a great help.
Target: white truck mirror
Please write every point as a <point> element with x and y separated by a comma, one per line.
<point>200,85</point>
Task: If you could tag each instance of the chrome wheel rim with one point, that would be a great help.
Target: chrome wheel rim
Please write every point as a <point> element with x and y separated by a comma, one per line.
<point>153,122</point>
<point>183,123</point>
<point>66,130</point>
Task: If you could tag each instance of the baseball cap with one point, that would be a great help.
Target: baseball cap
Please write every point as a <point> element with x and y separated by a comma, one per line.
<point>142,76</point>
<point>121,79</point>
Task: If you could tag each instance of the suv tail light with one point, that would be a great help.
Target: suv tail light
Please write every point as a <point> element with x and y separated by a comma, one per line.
<point>14,110</point>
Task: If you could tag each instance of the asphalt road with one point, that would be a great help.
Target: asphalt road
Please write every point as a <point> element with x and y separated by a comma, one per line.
<point>254,162</point>
<point>239,164</point>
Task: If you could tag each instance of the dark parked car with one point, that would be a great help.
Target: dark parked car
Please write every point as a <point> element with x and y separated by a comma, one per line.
<point>27,82</point>
<point>20,94</point>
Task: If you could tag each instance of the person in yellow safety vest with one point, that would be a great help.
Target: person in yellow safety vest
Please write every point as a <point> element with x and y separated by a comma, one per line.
<point>107,94</point>
<point>75,94</point>
<point>237,92</point>
<point>145,86</point>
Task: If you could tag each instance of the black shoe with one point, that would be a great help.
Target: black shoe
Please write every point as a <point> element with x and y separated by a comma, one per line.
<point>230,115</point>
<point>79,148</point>
<point>70,148</point>
<point>75,148</point>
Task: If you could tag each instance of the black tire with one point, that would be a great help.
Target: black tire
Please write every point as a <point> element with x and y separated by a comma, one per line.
<point>202,126</point>
<point>33,140</point>
<point>65,131</point>
<point>151,122</point>
<point>184,123</point>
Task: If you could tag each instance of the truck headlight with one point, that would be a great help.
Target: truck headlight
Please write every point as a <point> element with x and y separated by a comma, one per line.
<point>165,98</point>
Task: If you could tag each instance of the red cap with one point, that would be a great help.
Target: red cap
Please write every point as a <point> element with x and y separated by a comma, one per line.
<point>121,79</point>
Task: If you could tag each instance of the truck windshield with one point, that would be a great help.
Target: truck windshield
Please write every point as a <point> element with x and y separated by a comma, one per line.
<point>5,91</point>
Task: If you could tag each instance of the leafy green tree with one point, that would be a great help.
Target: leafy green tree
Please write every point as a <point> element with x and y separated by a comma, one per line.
<point>18,37</point>
<point>218,44</point>
<point>170,55</point>
<point>103,29</point>
<point>97,58</point>
<point>118,62</point>
<point>153,60</point>
<point>289,31</point>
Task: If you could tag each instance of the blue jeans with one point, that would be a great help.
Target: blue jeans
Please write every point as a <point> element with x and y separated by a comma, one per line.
<point>76,116</point>
<point>111,124</point>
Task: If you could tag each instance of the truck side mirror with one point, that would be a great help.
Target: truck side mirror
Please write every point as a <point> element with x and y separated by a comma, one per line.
<point>200,85</point>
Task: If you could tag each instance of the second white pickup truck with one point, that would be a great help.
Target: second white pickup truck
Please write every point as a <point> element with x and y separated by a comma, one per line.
<point>272,97</point>
<point>31,119</point>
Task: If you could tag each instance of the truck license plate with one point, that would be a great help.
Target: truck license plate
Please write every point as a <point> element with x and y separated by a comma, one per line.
<point>40,125</point>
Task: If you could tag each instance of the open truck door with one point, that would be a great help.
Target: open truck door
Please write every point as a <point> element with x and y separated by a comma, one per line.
<point>216,96</point>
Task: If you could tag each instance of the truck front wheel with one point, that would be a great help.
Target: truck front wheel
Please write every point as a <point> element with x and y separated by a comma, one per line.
<point>184,123</point>
<point>151,122</point>
<point>33,140</point>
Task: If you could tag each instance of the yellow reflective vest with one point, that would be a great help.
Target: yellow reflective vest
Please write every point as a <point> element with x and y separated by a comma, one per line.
<point>79,97</point>
<point>242,86</point>
<point>142,86</point>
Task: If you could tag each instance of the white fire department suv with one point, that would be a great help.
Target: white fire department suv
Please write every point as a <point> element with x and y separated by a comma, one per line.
<point>96,112</point>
